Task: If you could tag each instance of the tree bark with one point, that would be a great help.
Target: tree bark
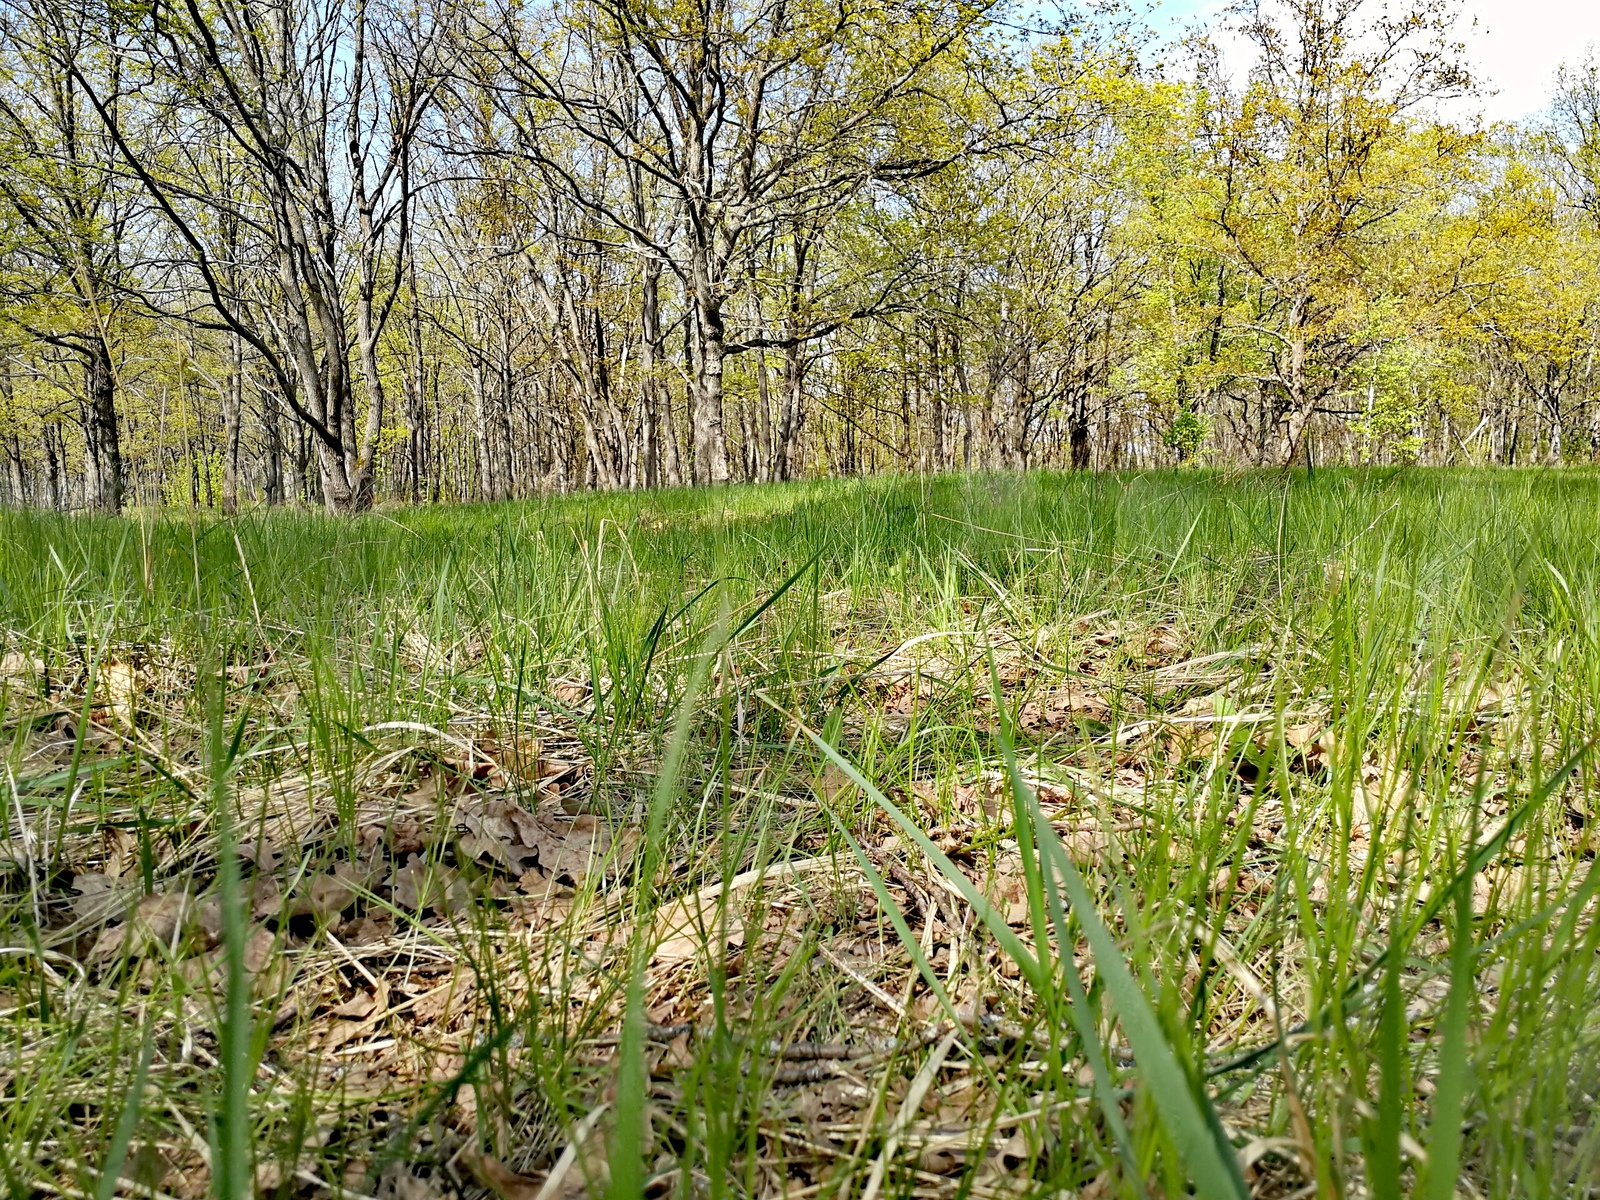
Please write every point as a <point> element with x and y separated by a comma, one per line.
<point>272,437</point>
<point>100,428</point>
<point>710,443</point>
<point>232,416</point>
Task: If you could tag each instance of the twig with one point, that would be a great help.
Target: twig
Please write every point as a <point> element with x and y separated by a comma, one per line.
<point>908,1112</point>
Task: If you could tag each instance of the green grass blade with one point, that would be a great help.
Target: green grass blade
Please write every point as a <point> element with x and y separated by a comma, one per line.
<point>1185,1110</point>
<point>232,1154</point>
<point>896,918</point>
<point>1215,1173</point>
<point>625,1155</point>
<point>1216,1176</point>
<point>1487,851</point>
<point>1083,1022</point>
<point>778,594</point>
<point>993,920</point>
<point>1449,1099</point>
<point>122,1136</point>
<point>1383,1134</point>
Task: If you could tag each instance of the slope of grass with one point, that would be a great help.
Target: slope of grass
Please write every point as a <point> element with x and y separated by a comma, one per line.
<point>1126,835</point>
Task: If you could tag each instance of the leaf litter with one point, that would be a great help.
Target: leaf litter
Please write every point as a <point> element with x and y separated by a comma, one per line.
<point>376,919</point>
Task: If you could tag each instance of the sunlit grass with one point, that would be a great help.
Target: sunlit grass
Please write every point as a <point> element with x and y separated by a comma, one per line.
<point>1301,772</point>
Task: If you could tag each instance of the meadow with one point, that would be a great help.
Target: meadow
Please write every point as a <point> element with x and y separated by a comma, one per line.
<point>1095,835</point>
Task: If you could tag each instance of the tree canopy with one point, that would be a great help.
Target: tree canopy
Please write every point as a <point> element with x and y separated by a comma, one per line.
<point>333,251</point>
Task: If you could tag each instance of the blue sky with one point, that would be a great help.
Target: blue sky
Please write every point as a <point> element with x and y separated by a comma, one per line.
<point>1515,46</point>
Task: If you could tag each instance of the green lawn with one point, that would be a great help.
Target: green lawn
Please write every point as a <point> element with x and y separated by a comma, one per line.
<point>680,831</point>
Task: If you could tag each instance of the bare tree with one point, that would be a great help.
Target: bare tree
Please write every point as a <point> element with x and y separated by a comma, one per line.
<point>321,104</point>
<point>72,215</point>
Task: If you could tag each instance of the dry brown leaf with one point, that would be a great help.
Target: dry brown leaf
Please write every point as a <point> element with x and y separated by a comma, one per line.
<point>1302,735</point>
<point>1163,642</point>
<point>122,852</point>
<point>445,1000</point>
<point>571,692</point>
<point>678,1053</point>
<point>122,684</point>
<point>501,1179</point>
<point>499,831</point>
<point>832,784</point>
<point>685,925</point>
<point>358,1008</point>
<point>17,668</point>
<point>405,836</point>
<point>1085,845</point>
<point>1063,707</point>
<point>342,1032</point>
<point>1207,705</point>
<point>159,919</point>
<point>99,896</point>
<point>438,784</point>
<point>266,899</point>
<point>577,847</point>
<point>1007,889</point>
<point>420,885</point>
<point>260,953</point>
<point>370,930</point>
<point>188,1177</point>
<point>262,855</point>
<point>329,894</point>
<point>564,849</point>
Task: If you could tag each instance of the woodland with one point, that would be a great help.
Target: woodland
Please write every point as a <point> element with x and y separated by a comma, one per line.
<point>794,600</point>
<point>332,252</point>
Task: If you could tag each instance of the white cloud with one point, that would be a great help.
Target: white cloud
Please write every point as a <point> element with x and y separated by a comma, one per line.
<point>1514,47</point>
<point>1517,46</point>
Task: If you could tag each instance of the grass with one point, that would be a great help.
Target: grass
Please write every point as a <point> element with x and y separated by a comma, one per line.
<point>1115,835</point>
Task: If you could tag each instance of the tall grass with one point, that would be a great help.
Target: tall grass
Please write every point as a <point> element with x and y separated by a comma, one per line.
<point>1305,902</point>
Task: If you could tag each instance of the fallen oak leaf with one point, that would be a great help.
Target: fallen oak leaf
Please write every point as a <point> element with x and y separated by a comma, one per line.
<point>122,685</point>
<point>501,1179</point>
<point>262,855</point>
<point>562,849</point>
<point>679,924</point>
<point>370,930</point>
<point>420,885</point>
<point>398,1183</point>
<point>158,920</point>
<point>329,894</point>
<point>15,667</point>
<point>98,896</point>
<point>358,1008</point>
<point>260,953</point>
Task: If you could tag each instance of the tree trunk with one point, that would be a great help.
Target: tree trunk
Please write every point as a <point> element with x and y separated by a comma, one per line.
<point>480,436</point>
<point>657,397</point>
<point>362,476</point>
<point>1016,410</point>
<point>17,480</point>
<point>14,474</point>
<point>710,443</point>
<point>1078,430</point>
<point>793,412</point>
<point>232,414</point>
<point>905,412</point>
<point>1296,392</point>
<point>272,437</point>
<point>52,465</point>
<point>104,445</point>
<point>503,415</point>
<point>764,451</point>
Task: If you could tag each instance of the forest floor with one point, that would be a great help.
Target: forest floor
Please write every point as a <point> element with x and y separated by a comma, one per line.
<point>975,836</point>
